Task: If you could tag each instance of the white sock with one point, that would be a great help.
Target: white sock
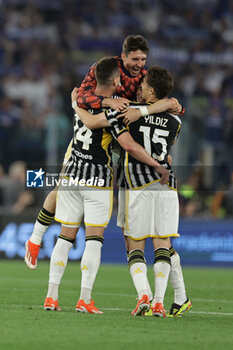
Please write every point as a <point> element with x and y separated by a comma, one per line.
<point>149,292</point>
<point>177,280</point>
<point>139,276</point>
<point>86,295</point>
<point>89,265</point>
<point>58,262</point>
<point>53,291</point>
<point>161,271</point>
<point>38,233</point>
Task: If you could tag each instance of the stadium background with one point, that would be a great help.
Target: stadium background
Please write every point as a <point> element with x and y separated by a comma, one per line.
<point>46,48</point>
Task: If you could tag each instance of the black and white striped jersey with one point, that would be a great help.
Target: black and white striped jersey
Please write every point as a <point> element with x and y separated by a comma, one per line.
<point>91,154</point>
<point>116,125</point>
<point>156,133</point>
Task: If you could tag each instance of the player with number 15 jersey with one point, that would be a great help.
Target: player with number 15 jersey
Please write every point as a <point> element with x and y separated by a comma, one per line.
<point>156,133</point>
<point>157,204</point>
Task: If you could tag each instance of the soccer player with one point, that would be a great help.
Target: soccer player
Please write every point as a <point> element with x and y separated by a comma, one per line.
<point>158,209</point>
<point>44,219</point>
<point>145,197</point>
<point>89,194</point>
<point>131,65</point>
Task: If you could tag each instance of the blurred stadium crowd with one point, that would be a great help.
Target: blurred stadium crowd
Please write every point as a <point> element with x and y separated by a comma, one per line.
<point>46,48</point>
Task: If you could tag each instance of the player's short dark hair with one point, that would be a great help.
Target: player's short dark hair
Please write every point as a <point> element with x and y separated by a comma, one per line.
<point>106,69</point>
<point>134,43</point>
<point>161,80</point>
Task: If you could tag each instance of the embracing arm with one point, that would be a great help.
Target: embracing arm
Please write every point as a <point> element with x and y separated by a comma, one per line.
<point>138,152</point>
<point>92,121</point>
<point>132,114</point>
<point>171,105</point>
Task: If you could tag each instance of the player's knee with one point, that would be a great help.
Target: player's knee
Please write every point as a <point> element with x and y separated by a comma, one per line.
<point>68,232</point>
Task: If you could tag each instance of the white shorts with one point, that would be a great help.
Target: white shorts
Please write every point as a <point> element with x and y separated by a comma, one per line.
<point>121,208</point>
<point>78,202</point>
<point>151,212</point>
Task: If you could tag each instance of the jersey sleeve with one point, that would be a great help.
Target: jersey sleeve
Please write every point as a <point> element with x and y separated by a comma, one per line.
<point>177,132</point>
<point>175,127</point>
<point>117,127</point>
<point>86,97</point>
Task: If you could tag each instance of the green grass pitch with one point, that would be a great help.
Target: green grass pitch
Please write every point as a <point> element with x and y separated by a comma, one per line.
<point>25,325</point>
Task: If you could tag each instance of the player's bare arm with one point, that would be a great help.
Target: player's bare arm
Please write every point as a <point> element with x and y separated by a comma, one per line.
<point>130,115</point>
<point>119,104</point>
<point>133,114</point>
<point>175,107</point>
<point>92,121</point>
